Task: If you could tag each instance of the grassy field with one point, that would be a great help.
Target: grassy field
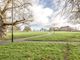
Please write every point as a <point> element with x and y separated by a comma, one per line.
<point>60,36</point>
<point>39,51</point>
<point>18,35</point>
<point>43,50</point>
<point>53,36</point>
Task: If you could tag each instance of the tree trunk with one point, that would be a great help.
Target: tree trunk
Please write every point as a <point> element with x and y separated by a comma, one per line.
<point>3,28</point>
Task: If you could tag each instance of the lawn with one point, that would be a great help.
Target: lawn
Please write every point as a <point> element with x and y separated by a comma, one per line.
<point>39,51</point>
<point>18,35</point>
<point>60,36</point>
<point>51,36</point>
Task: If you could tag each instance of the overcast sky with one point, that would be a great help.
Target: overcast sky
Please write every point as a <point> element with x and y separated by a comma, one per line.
<point>45,14</point>
<point>45,11</point>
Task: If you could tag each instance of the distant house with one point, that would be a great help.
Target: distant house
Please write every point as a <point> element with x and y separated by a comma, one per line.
<point>65,28</point>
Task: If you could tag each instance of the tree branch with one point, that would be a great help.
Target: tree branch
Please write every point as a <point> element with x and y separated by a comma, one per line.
<point>6,5</point>
<point>17,6</point>
<point>17,22</point>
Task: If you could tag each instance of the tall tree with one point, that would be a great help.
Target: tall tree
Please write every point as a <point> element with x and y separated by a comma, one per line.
<point>21,13</point>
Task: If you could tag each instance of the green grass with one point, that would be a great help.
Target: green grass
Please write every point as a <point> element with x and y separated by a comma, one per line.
<point>18,35</point>
<point>53,36</point>
<point>60,36</point>
<point>39,51</point>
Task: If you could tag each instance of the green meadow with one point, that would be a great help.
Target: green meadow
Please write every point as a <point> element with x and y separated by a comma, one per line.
<point>60,36</point>
<point>51,36</point>
<point>42,50</point>
<point>18,35</point>
<point>39,51</point>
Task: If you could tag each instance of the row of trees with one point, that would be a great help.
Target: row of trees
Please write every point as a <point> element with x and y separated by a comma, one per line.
<point>65,28</point>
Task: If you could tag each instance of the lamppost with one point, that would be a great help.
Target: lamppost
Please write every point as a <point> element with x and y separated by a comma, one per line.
<point>12,22</point>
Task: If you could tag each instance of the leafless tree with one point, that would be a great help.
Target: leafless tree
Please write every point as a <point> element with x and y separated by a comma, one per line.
<point>21,13</point>
<point>72,10</point>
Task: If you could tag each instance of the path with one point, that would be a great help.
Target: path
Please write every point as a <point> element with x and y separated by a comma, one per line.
<point>21,39</point>
<point>37,41</point>
<point>33,41</point>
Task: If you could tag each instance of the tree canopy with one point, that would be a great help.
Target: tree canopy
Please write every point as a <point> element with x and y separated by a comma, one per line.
<point>20,10</point>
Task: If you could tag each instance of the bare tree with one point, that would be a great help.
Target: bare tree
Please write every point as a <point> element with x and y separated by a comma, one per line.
<point>71,10</point>
<point>19,15</point>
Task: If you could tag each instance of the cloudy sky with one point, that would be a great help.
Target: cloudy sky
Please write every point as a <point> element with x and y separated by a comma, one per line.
<point>45,14</point>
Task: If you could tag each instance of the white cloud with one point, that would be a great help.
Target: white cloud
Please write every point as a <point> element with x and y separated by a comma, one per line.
<point>59,21</point>
<point>41,14</point>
